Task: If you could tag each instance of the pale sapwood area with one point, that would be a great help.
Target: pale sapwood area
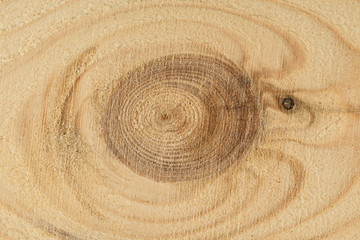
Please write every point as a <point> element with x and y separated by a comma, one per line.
<point>180,119</point>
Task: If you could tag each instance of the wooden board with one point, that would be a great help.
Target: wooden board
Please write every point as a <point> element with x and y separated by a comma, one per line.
<point>180,119</point>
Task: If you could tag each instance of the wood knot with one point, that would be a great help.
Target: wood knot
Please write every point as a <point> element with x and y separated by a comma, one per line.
<point>166,120</point>
<point>288,103</point>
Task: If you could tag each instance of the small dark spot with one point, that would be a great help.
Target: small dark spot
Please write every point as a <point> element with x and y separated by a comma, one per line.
<point>164,117</point>
<point>288,103</point>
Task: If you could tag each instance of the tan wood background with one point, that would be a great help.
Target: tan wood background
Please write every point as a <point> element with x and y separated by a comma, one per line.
<point>164,119</point>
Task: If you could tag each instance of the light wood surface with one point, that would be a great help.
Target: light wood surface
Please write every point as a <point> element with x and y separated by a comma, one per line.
<point>167,119</point>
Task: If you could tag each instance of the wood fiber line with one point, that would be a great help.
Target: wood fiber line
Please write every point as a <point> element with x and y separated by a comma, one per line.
<point>297,49</point>
<point>15,29</point>
<point>179,120</point>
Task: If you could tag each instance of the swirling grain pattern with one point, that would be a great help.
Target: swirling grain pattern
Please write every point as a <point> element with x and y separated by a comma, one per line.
<point>167,120</point>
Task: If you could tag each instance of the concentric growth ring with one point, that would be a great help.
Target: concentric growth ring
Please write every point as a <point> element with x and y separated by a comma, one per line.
<point>182,117</point>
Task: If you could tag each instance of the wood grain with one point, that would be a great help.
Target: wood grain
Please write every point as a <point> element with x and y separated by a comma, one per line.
<point>167,120</point>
